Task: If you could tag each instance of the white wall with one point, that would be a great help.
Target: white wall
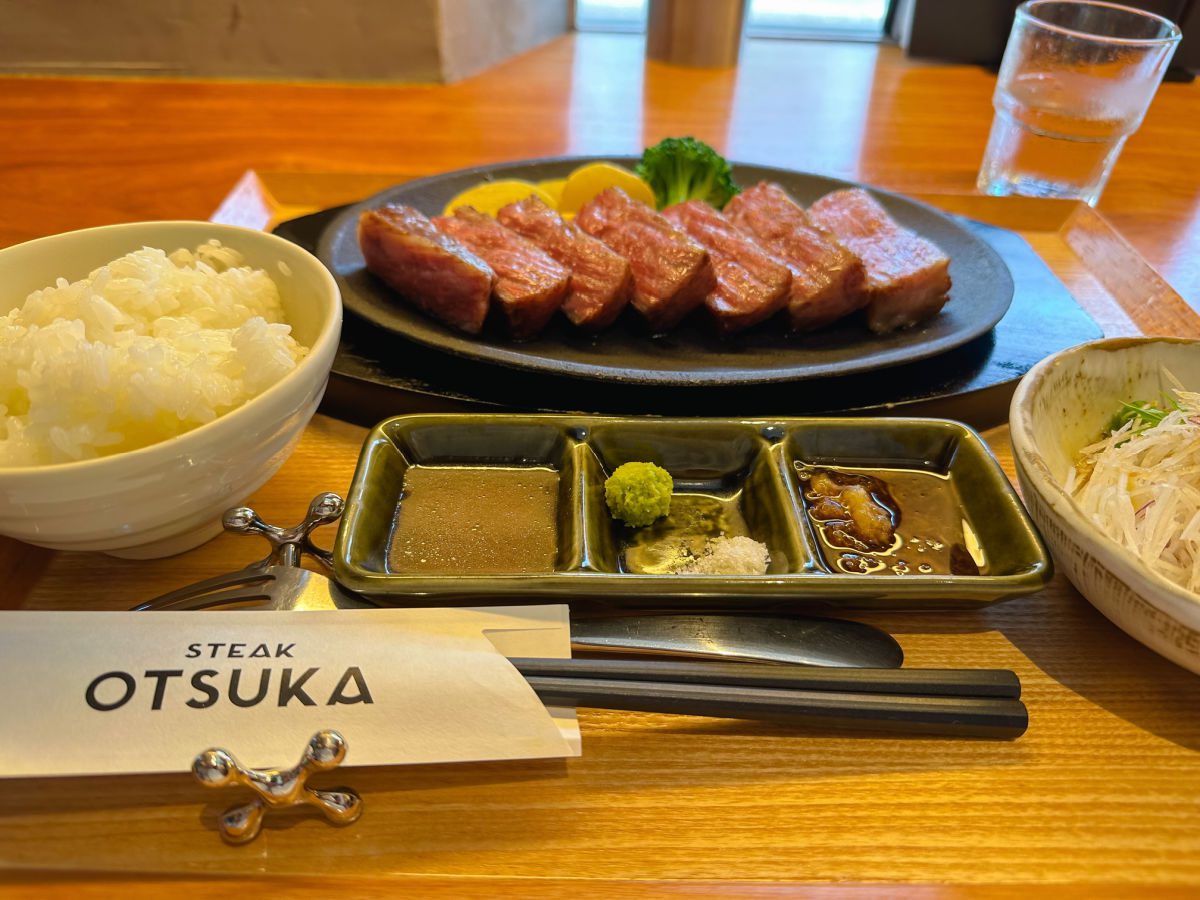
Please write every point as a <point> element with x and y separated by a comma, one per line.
<point>345,40</point>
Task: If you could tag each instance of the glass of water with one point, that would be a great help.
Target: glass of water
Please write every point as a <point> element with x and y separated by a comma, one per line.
<point>1076,80</point>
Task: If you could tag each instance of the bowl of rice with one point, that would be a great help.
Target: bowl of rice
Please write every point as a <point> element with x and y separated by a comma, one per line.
<point>152,375</point>
<point>1106,439</point>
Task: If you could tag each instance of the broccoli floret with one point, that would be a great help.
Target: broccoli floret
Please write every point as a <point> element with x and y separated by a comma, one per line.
<point>638,493</point>
<point>679,169</point>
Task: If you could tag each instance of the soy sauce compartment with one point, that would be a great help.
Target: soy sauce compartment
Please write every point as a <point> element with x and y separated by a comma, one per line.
<point>914,521</point>
<point>934,482</point>
<point>725,484</point>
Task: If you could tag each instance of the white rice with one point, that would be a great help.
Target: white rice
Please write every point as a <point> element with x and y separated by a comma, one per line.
<point>145,348</point>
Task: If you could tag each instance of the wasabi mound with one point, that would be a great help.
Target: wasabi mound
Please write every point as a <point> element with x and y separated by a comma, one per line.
<point>638,493</point>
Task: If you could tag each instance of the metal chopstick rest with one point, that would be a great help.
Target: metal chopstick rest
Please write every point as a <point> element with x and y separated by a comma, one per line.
<point>979,717</point>
<point>993,683</point>
<point>278,788</point>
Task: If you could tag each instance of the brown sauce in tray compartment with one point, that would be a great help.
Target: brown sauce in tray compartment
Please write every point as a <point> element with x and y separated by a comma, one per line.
<point>889,521</point>
<point>476,520</point>
<point>659,549</point>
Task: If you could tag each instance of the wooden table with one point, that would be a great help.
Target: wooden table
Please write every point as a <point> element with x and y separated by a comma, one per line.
<point>1100,798</point>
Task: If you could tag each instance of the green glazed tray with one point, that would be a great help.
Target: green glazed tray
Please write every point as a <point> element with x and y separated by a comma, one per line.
<point>750,467</point>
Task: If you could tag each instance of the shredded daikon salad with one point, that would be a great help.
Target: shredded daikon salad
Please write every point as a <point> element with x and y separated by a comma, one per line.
<point>1141,485</point>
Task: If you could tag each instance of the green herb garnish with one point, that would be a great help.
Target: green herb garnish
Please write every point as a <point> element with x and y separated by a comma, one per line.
<point>1144,414</point>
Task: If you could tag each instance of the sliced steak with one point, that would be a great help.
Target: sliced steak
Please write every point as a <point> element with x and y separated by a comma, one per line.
<point>827,279</point>
<point>908,277</point>
<point>428,269</point>
<point>671,273</point>
<point>530,285</point>
<point>751,285</point>
<point>601,281</point>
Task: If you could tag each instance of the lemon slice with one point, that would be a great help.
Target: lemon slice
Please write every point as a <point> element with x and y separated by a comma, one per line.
<point>553,187</point>
<point>489,196</point>
<point>587,181</point>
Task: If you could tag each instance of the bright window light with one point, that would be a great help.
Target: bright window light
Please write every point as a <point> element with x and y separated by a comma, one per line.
<point>610,15</point>
<point>764,18</point>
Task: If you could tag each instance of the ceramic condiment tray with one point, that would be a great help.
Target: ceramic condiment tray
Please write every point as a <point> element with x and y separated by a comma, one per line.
<point>739,476</point>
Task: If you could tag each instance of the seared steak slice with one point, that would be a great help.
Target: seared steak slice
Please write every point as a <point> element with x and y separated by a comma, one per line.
<point>751,285</point>
<point>671,273</point>
<point>827,278</point>
<point>428,269</point>
<point>908,277</point>
<point>600,279</point>
<point>530,286</point>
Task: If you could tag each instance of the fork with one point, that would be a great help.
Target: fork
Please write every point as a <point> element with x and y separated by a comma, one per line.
<point>277,581</point>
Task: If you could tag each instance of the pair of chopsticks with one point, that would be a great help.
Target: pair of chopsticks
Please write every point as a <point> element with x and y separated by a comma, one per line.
<point>981,703</point>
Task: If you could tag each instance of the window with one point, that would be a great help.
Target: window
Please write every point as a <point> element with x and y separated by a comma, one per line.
<point>846,19</point>
<point>610,15</point>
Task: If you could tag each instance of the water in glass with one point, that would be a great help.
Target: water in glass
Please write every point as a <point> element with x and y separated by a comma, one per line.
<point>1046,143</point>
<point>1066,99</point>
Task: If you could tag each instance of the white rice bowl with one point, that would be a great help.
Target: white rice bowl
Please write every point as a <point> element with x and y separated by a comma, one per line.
<point>145,348</point>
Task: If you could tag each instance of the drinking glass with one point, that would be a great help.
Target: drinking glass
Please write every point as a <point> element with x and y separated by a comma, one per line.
<point>1076,80</point>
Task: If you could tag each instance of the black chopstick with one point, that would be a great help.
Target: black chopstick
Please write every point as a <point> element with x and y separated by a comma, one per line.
<point>988,683</point>
<point>910,715</point>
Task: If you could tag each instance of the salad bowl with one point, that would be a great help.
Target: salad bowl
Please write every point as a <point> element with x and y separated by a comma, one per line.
<point>1065,403</point>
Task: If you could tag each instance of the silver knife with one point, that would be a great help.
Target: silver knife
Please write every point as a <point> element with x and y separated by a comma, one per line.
<point>796,640</point>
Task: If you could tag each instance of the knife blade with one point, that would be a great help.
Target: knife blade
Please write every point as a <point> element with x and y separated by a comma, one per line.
<point>794,640</point>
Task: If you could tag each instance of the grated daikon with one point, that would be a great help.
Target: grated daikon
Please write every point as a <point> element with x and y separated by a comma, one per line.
<point>1141,486</point>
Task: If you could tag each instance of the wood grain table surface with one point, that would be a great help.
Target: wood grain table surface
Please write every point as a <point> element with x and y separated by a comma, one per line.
<point>1100,799</point>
